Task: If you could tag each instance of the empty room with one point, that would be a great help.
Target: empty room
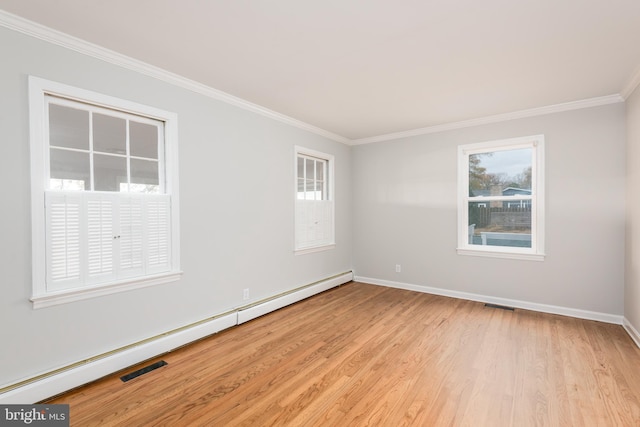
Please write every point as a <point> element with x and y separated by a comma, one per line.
<point>320,213</point>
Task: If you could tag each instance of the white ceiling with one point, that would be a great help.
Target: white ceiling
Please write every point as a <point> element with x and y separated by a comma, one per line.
<point>361,68</point>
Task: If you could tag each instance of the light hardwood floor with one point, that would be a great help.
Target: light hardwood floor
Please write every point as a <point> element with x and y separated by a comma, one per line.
<point>366,355</point>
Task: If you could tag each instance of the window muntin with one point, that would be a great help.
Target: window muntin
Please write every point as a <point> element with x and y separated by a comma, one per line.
<point>314,205</point>
<point>102,149</point>
<point>501,202</point>
<point>312,183</point>
<point>104,186</point>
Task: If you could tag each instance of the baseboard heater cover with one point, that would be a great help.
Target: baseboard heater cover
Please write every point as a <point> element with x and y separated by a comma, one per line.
<point>260,309</point>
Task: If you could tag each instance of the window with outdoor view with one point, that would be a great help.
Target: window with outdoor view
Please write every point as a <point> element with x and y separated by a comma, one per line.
<point>104,194</point>
<point>501,198</point>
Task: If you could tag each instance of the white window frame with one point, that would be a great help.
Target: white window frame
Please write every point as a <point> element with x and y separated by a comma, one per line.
<point>39,90</point>
<point>536,251</point>
<point>324,208</point>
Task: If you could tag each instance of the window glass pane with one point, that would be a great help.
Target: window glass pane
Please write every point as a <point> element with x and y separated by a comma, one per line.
<point>500,173</point>
<point>144,176</point>
<point>143,140</point>
<point>300,193</point>
<point>319,194</point>
<point>109,134</point>
<point>301,168</point>
<point>309,190</point>
<point>68,127</point>
<point>500,223</point>
<point>320,170</point>
<point>69,170</point>
<point>109,172</point>
<point>66,184</point>
<point>310,173</point>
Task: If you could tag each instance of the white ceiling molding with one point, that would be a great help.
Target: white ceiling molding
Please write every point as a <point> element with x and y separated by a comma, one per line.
<point>632,84</point>
<point>575,105</point>
<point>50,35</point>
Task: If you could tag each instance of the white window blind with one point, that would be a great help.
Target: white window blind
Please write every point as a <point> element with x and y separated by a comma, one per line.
<point>64,223</point>
<point>100,234</point>
<point>157,210</point>
<point>314,223</point>
<point>131,240</point>
<point>110,232</point>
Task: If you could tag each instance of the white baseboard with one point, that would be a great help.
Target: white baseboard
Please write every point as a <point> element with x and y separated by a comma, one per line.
<point>633,332</point>
<point>544,308</point>
<point>251,312</point>
<point>51,384</point>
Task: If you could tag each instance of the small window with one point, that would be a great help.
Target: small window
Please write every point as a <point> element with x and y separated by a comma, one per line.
<point>104,194</point>
<point>501,198</point>
<point>314,215</point>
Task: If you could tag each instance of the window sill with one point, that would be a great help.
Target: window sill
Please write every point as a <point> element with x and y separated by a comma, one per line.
<point>77,294</point>
<point>314,249</point>
<point>493,253</point>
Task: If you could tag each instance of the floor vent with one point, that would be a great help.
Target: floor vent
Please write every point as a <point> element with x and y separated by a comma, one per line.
<point>142,371</point>
<point>501,307</point>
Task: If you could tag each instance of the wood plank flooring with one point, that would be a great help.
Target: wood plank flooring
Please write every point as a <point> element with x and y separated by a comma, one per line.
<point>364,355</point>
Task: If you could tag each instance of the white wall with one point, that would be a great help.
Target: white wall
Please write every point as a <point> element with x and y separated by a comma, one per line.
<point>632,273</point>
<point>236,196</point>
<point>405,213</point>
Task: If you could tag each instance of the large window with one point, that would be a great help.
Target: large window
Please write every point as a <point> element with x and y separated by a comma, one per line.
<point>314,215</point>
<point>104,194</point>
<point>501,198</point>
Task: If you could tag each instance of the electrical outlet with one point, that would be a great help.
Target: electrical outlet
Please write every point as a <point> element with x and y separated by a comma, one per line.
<point>245,294</point>
<point>398,268</point>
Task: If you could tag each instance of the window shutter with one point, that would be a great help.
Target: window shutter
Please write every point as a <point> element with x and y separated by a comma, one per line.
<point>63,244</point>
<point>95,238</point>
<point>101,237</point>
<point>324,219</point>
<point>314,223</point>
<point>158,235</point>
<point>131,240</point>
<point>302,223</point>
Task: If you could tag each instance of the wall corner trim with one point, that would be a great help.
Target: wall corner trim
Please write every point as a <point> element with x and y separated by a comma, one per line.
<point>632,84</point>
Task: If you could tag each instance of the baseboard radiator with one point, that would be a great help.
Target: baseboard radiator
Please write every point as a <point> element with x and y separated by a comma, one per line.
<point>58,381</point>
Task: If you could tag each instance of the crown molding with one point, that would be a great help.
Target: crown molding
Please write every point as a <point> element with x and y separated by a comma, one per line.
<point>59,38</point>
<point>632,84</point>
<point>575,105</point>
